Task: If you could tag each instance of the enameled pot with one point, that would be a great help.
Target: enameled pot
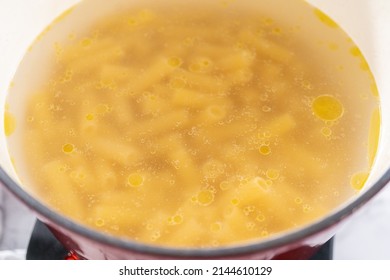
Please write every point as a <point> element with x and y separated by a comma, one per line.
<point>366,22</point>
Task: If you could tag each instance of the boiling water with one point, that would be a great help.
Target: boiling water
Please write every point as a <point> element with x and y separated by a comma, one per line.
<point>193,124</point>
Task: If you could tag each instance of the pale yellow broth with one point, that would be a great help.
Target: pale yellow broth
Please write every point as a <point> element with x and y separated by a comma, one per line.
<point>198,127</point>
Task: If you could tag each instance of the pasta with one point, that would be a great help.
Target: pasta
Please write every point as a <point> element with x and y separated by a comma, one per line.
<point>194,126</point>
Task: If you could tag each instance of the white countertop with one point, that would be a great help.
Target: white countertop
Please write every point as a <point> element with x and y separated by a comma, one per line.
<point>364,237</point>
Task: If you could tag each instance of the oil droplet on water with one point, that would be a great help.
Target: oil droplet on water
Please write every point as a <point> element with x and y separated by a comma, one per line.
<point>272,174</point>
<point>132,22</point>
<point>268,21</point>
<point>175,220</point>
<point>327,108</point>
<point>68,148</point>
<point>86,42</point>
<point>13,163</point>
<point>215,227</point>
<point>355,51</point>
<point>205,197</point>
<point>156,235</point>
<point>174,61</point>
<point>266,109</point>
<point>216,112</point>
<point>250,225</point>
<point>206,62</point>
<point>63,15</point>
<point>149,226</point>
<point>71,36</point>
<point>135,180</point>
<point>277,31</point>
<point>261,183</point>
<point>364,64</point>
<point>260,218</point>
<point>99,222</point>
<point>326,131</point>
<point>298,200</point>
<point>325,19</point>
<point>9,123</point>
<point>373,136</point>
<point>264,233</point>
<point>340,67</point>
<point>358,180</point>
<point>177,83</point>
<point>89,117</point>
<point>265,150</point>
<point>224,185</point>
<point>234,201</point>
<point>374,89</point>
<point>306,208</point>
<point>248,210</point>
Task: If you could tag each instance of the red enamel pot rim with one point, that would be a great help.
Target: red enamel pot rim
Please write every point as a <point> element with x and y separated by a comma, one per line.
<point>268,244</point>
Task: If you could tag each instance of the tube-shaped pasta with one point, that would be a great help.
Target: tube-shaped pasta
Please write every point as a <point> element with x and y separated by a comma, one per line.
<point>187,171</point>
<point>89,63</point>
<point>224,134</point>
<point>88,126</point>
<point>190,233</point>
<point>236,223</point>
<point>212,53</point>
<point>267,48</point>
<point>115,216</point>
<point>122,110</point>
<point>213,169</point>
<point>56,179</point>
<point>213,113</point>
<point>205,83</point>
<point>122,153</point>
<point>281,125</point>
<point>116,72</point>
<point>55,174</point>
<point>301,159</point>
<point>82,177</point>
<point>154,104</point>
<point>239,60</point>
<point>159,69</point>
<point>39,109</point>
<point>271,73</point>
<point>169,121</point>
<point>254,191</point>
<point>107,178</point>
<point>256,196</point>
<point>190,98</point>
<point>155,226</point>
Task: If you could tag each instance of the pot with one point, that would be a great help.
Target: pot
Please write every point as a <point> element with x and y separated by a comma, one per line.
<point>367,24</point>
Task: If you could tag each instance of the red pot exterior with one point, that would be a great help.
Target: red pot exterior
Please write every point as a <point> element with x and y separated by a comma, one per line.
<point>86,248</point>
<point>84,243</point>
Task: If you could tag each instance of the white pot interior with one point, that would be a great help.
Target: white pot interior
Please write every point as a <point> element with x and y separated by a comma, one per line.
<point>365,21</point>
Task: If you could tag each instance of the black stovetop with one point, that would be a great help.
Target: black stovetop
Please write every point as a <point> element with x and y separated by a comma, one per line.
<point>44,246</point>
